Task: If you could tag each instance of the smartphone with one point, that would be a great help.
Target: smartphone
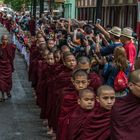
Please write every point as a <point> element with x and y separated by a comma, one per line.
<point>98,21</point>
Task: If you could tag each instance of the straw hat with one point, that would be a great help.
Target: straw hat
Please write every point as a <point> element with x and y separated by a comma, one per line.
<point>127,32</point>
<point>115,31</point>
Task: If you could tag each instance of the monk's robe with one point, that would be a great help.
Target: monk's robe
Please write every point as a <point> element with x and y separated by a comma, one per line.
<point>32,27</point>
<point>97,126</point>
<point>52,73</point>
<point>12,48</point>
<point>40,85</point>
<point>95,81</point>
<point>8,25</point>
<point>4,21</point>
<point>49,90</point>
<point>125,121</point>
<point>63,80</point>
<point>33,55</point>
<point>76,123</point>
<point>6,65</point>
<point>68,104</point>
<point>41,89</point>
<point>34,77</point>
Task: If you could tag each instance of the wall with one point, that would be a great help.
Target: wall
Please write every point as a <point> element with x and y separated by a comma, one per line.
<point>69,7</point>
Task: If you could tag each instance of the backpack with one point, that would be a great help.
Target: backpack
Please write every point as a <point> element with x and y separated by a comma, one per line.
<point>120,81</point>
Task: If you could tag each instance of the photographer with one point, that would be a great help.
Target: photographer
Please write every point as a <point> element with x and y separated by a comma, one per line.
<point>114,34</point>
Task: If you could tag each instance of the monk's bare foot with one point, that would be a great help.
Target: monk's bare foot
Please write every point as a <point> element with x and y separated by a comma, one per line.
<point>50,133</point>
<point>45,123</point>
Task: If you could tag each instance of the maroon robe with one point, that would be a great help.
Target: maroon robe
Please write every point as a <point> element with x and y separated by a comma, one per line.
<point>42,67</point>
<point>8,25</point>
<point>126,118</point>
<point>76,123</point>
<point>33,68</point>
<point>97,126</point>
<point>6,68</point>
<point>32,26</point>
<point>62,80</point>
<point>95,81</point>
<point>68,104</point>
<point>52,73</point>
<point>33,55</point>
<point>41,90</point>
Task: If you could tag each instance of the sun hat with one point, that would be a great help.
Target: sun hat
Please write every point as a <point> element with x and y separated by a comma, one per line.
<point>127,32</point>
<point>115,31</point>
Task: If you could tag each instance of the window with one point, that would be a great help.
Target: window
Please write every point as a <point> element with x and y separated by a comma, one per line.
<point>94,3</point>
<point>90,2</point>
<point>82,3</point>
<point>79,3</point>
<point>86,3</point>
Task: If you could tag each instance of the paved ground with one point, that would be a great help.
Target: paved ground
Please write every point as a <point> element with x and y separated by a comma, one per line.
<point>19,116</point>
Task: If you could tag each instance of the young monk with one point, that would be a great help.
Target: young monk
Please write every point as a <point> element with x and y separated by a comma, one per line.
<point>57,56</point>
<point>97,126</point>
<point>85,64</point>
<point>45,78</point>
<point>56,94</point>
<point>76,121</point>
<point>125,122</point>
<point>69,102</point>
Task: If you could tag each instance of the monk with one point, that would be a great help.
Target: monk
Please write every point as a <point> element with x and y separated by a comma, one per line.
<point>62,81</point>
<point>76,121</point>
<point>95,80</point>
<point>126,111</point>
<point>97,126</point>
<point>32,26</point>
<point>7,54</point>
<point>69,102</point>
<point>44,83</point>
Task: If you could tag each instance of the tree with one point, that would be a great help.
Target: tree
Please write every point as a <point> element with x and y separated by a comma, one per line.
<point>17,4</point>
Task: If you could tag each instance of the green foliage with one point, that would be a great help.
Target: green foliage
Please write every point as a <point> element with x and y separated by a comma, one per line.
<point>17,4</point>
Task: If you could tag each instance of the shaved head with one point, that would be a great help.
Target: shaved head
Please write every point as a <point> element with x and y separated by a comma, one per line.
<point>79,73</point>
<point>83,60</point>
<point>4,36</point>
<point>85,91</point>
<point>103,88</point>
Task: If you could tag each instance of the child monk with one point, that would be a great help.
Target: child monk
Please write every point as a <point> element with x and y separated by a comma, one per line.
<point>76,121</point>
<point>48,62</point>
<point>69,102</point>
<point>97,126</point>
<point>62,81</point>
<point>85,64</point>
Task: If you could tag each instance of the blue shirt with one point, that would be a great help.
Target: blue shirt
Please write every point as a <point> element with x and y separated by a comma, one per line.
<point>110,49</point>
